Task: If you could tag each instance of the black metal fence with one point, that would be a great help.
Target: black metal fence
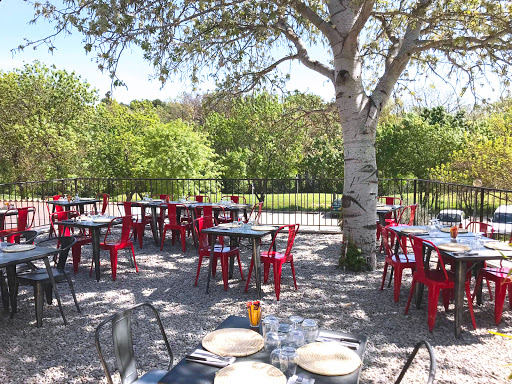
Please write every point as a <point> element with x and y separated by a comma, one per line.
<point>303,200</point>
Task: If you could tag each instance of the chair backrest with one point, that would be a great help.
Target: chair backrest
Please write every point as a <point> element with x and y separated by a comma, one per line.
<point>236,198</point>
<point>417,247</point>
<point>64,243</point>
<point>162,196</point>
<point>256,209</point>
<point>59,216</point>
<point>478,226</point>
<point>202,238</point>
<point>24,220</point>
<point>126,232</point>
<point>172,212</point>
<point>205,211</point>
<point>292,232</point>
<point>390,239</point>
<point>57,197</point>
<point>200,198</point>
<point>407,214</point>
<point>122,337</point>
<point>105,200</point>
<point>432,357</point>
<point>390,200</point>
<point>24,237</point>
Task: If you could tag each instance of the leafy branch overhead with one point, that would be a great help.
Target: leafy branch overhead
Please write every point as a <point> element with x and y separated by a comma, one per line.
<point>248,40</point>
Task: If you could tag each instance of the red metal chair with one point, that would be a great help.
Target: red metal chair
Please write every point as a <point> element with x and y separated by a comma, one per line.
<point>139,222</point>
<point>436,280</point>
<point>24,222</point>
<point>406,215</point>
<point>389,200</point>
<point>174,225</point>
<point>256,209</point>
<point>123,242</point>
<point>478,226</point>
<point>398,262</point>
<point>200,198</point>
<point>205,211</point>
<point>219,252</point>
<point>162,197</point>
<point>277,259</point>
<point>82,237</point>
<point>235,198</point>
<point>105,197</point>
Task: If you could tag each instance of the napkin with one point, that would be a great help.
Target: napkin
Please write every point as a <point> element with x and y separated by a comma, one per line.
<point>304,380</point>
<point>347,342</point>
<point>204,357</point>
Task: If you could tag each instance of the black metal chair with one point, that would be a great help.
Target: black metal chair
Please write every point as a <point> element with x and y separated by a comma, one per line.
<point>40,280</point>
<point>122,337</point>
<point>23,237</point>
<point>432,369</point>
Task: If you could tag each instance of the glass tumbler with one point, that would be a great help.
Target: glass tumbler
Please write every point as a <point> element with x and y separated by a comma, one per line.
<point>271,341</point>
<point>296,320</point>
<point>269,324</point>
<point>296,339</point>
<point>288,358</point>
<point>310,330</point>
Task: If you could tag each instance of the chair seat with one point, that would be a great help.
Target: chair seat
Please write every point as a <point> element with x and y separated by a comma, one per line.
<point>437,276</point>
<point>151,377</point>
<point>499,273</point>
<point>403,260</point>
<point>40,275</point>
<point>267,256</point>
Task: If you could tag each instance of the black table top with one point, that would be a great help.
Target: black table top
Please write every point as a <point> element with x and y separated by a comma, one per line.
<point>242,231</point>
<point>13,258</point>
<point>83,223</point>
<point>186,372</point>
<point>82,201</point>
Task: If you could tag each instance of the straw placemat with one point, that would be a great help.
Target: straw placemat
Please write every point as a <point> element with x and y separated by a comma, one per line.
<point>447,230</point>
<point>384,208</point>
<point>454,247</point>
<point>250,372</point>
<point>18,248</point>
<point>498,246</point>
<point>413,230</point>
<point>328,359</point>
<point>233,342</point>
<point>262,228</point>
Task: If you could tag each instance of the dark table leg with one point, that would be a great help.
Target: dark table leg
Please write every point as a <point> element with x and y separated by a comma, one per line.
<point>192,213</point>
<point>95,237</point>
<point>4,290</point>
<point>233,243</point>
<point>257,265</point>
<point>478,266</point>
<point>460,277</point>
<point>154,223</point>
<point>54,286</point>
<point>210,262</point>
<point>11,283</point>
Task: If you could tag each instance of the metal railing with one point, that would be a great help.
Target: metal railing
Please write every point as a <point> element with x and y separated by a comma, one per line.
<point>306,201</point>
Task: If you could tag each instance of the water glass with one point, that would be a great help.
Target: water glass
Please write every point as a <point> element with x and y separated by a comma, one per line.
<point>269,324</point>
<point>295,339</point>
<point>296,320</point>
<point>310,330</point>
<point>275,358</point>
<point>288,359</point>
<point>272,341</point>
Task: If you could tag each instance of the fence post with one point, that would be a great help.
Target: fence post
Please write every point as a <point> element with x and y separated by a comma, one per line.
<point>481,204</point>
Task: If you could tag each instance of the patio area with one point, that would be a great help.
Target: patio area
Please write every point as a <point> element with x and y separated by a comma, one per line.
<point>338,300</point>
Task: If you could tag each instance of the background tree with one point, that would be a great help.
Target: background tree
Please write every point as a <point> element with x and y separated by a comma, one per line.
<point>372,45</point>
<point>42,114</point>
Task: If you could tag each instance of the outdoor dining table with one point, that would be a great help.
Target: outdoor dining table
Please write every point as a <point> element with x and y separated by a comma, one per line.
<point>383,210</point>
<point>460,262</point>
<point>79,204</point>
<point>94,227</point>
<point>238,232</point>
<point>188,372</point>
<point>9,260</point>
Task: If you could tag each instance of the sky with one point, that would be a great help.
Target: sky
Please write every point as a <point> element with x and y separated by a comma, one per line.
<point>136,73</point>
<point>133,70</point>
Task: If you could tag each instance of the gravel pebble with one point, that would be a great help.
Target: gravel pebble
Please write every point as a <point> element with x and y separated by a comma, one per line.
<point>339,300</point>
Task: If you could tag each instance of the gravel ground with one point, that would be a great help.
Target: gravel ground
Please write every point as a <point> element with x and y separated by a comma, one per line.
<point>339,300</point>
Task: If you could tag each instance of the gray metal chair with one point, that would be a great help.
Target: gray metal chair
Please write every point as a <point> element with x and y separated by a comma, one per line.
<point>432,356</point>
<point>40,280</point>
<point>122,337</point>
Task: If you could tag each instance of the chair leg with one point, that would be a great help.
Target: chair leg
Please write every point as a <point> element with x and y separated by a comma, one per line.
<point>470,304</point>
<point>510,295</point>
<point>266,272</point>
<point>4,292</point>
<point>72,289</point>
<point>447,294</point>
<point>183,239</point>
<point>500,292</point>
<point>489,288</point>
<point>134,261</point>
<point>76,252</point>
<point>113,263</point>
<point>413,284</point>
<point>433,299</point>
<point>163,238</point>
<point>49,293</point>
<point>249,276</point>
<point>293,274</point>
<point>39,298</point>
<point>397,284</point>
<point>240,265</point>
<point>477,285</point>
<point>391,276</point>
<point>225,271</point>
<point>277,278</point>
<point>384,273</point>
<point>198,269</point>
<point>140,228</point>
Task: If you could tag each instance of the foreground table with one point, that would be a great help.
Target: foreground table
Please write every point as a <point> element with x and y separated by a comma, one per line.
<point>94,228</point>
<point>187,372</point>
<point>243,231</point>
<point>460,263</point>
<point>9,262</point>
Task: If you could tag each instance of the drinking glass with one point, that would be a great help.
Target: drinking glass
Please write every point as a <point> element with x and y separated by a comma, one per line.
<point>288,361</point>
<point>296,320</point>
<point>274,358</point>
<point>269,324</point>
<point>296,339</point>
<point>271,341</point>
<point>310,330</point>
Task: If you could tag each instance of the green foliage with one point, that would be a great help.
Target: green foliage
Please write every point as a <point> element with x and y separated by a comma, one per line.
<point>352,258</point>
<point>42,115</point>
